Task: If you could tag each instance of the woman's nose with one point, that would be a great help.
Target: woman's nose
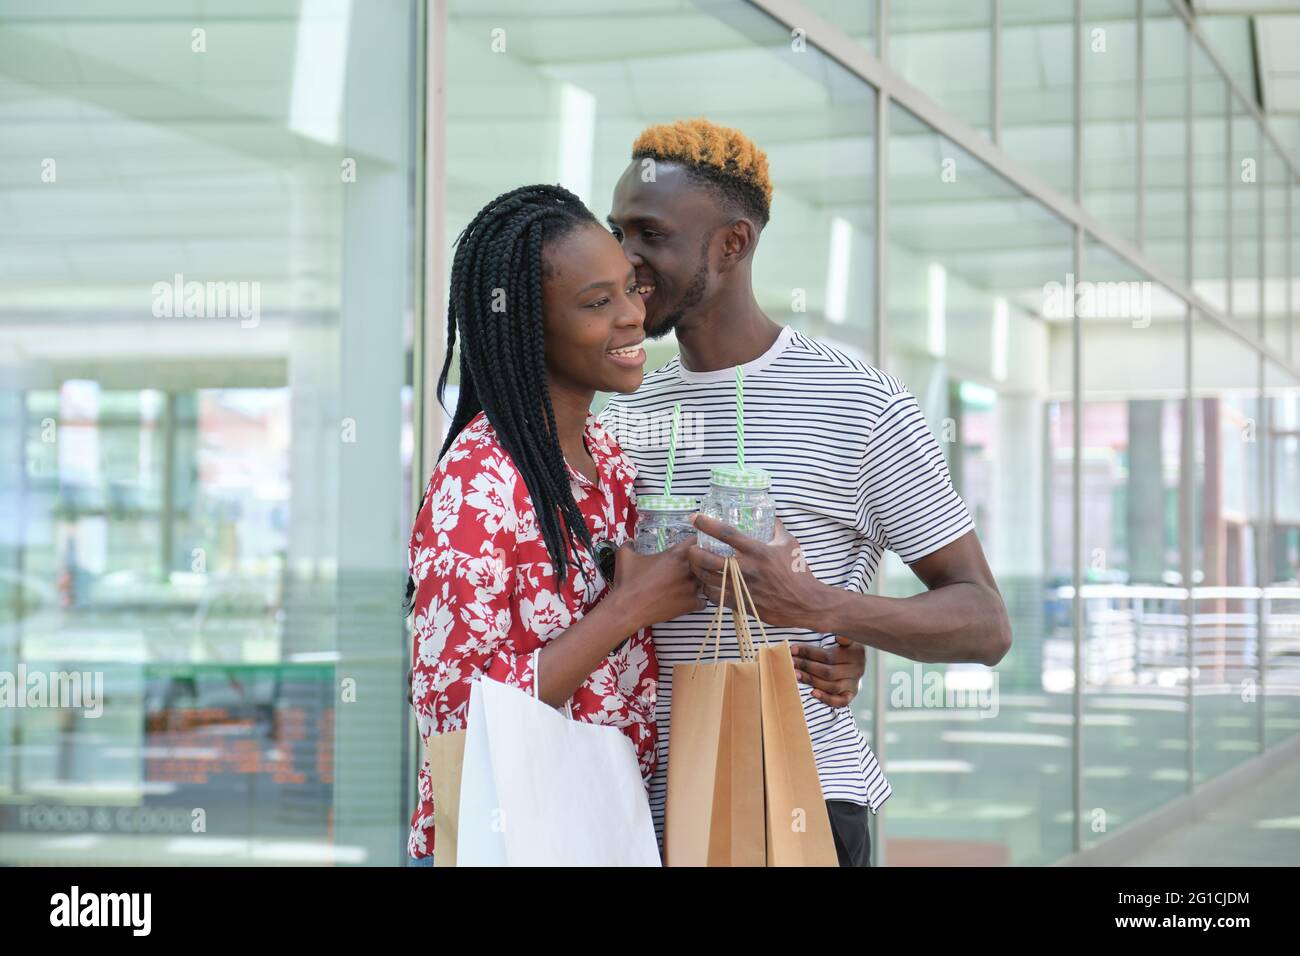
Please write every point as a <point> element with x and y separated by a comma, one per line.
<point>634,315</point>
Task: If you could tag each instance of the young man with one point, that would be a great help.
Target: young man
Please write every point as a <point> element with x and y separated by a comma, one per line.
<point>854,467</point>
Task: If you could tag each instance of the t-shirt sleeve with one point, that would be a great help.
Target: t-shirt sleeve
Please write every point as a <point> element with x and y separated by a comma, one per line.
<point>909,501</point>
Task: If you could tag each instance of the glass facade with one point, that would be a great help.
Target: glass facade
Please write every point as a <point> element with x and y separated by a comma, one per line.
<point>964,333</point>
<point>1036,87</point>
<point>1133,620</point>
<point>206,307</point>
<point>216,411</point>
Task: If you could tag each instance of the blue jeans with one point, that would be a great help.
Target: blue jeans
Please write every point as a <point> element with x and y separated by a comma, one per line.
<point>420,860</point>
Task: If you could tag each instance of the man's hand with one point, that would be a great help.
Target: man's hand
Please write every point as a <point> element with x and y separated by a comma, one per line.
<point>783,589</point>
<point>835,673</point>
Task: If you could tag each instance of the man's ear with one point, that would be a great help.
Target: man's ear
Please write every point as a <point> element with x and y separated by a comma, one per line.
<point>739,237</point>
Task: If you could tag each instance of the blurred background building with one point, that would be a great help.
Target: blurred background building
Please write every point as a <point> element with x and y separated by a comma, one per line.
<point>1072,227</point>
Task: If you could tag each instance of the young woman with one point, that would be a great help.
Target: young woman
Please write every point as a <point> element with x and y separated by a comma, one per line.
<point>530,492</point>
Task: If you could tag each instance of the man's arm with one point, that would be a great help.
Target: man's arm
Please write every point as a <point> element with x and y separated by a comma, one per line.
<point>962,616</point>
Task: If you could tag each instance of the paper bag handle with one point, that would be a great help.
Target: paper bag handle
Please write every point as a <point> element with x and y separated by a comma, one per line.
<point>743,611</point>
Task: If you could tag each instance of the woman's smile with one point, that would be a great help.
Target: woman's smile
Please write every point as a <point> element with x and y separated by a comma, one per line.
<point>628,356</point>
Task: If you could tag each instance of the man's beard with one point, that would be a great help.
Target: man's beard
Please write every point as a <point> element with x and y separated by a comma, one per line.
<point>692,297</point>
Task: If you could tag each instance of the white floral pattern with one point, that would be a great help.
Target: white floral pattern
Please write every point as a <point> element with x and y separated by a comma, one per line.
<point>487,595</point>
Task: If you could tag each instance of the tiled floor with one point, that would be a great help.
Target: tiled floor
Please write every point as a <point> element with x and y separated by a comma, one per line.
<point>1258,828</point>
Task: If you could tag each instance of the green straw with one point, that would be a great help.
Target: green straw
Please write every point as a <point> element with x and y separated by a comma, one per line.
<point>740,418</point>
<point>672,456</point>
<point>672,447</point>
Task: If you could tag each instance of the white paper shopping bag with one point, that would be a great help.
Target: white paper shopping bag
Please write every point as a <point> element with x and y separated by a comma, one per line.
<point>538,789</point>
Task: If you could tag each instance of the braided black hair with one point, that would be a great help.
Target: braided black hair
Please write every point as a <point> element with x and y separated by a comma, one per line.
<point>499,262</point>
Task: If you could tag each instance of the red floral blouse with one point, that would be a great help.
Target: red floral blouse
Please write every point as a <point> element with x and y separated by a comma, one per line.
<point>486,597</point>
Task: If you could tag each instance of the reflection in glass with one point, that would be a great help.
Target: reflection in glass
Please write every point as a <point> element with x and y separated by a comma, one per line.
<point>1134,598</point>
<point>1038,88</point>
<point>1275,179</point>
<point>853,18</point>
<point>1227,533</point>
<point>1281,569</point>
<point>204,310</point>
<point>945,47</point>
<point>1110,171</point>
<point>1247,219</point>
<point>1210,181</point>
<point>970,263</point>
<point>1165,52</point>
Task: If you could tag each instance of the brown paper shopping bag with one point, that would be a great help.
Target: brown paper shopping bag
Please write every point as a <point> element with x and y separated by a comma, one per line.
<point>446,753</point>
<point>798,826</point>
<point>798,831</point>
<point>714,810</point>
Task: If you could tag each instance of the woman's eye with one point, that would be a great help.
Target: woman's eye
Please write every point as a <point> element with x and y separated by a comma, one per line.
<point>598,303</point>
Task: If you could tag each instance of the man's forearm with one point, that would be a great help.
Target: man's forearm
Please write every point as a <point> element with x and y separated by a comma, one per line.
<point>962,621</point>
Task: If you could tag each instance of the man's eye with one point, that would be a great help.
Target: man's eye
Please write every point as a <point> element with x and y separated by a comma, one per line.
<point>650,235</point>
<point>618,234</point>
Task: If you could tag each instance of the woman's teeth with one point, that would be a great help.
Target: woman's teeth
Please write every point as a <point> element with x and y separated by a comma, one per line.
<point>629,351</point>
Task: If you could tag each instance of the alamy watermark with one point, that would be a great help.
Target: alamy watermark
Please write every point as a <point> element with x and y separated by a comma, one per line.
<point>208,300</point>
<point>75,908</point>
<point>652,430</point>
<point>70,690</point>
<point>1098,300</point>
<point>964,689</point>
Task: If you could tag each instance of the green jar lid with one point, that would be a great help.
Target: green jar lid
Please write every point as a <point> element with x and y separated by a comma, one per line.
<point>733,476</point>
<point>666,503</point>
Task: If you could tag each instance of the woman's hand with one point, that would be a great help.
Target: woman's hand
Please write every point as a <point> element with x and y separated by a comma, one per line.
<point>648,588</point>
<point>656,587</point>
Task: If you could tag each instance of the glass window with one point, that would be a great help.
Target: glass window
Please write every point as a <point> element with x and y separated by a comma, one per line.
<point>1230,39</point>
<point>1281,572</point>
<point>1211,177</point>
<point>209,272</point>
<point>1165,51</point>
<point>1134,603</point>
<point>1109,51</point>
<point>853,18</point>
<point>1037,88</point>
<point>1293,283</point>
<point>1274,178</point>
<point>945,47</point>
<point>1247,219</point>
<point>971,260</point>
<point>1227,532</point>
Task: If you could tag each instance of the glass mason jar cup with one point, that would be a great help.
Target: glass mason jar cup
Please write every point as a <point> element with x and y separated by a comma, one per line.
<point>739,497</point>
<point>662,521</point>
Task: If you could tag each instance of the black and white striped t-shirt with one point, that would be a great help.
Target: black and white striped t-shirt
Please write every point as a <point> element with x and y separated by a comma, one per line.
<point>854,470</point>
